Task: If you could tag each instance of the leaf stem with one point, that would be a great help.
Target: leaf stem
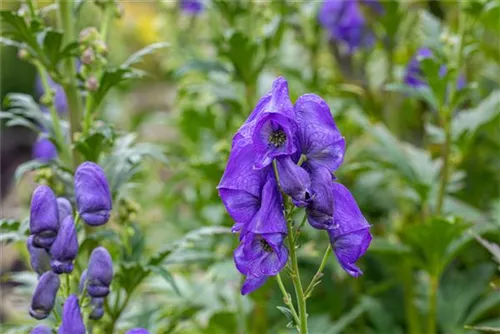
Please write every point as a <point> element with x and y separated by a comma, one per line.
<point>318,274</point>
<point>431,320</point>
<point>287,299</point>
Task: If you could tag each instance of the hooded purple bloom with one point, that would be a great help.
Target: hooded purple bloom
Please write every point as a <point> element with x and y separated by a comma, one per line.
<point>345,23</point>
<point>259,256</point>
<point>137,331</point>
<point>44,150</point>
<point>93,197</point>
<point>97,308</point>
<point>321,208</point>
<point>65,247</point>
<point>44,217</point>
<point>60,101</point>
<point>72,322</point>
<point>41,329</point>
<point>294,181</point>
<point>39,258</point>
<point>99,273</point>
<point>44,296</point>
<point>192,7</point>
<point>64,207</point>
<point>351,236</point>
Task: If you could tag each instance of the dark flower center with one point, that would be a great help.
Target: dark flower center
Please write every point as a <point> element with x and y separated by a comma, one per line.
<point>265,246</point>
<point>277,138</point>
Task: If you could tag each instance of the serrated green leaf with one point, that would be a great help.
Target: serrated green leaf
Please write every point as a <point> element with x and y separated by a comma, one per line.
<point>137,56</point>
<point>161,271</point>
<point>27,167</point>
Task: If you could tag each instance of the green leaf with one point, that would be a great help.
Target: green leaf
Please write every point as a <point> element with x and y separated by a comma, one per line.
<point>15,27</point>
<point>138,55</point>
<point>421,93</point>
<point>288,314</point>
<point>52,43</point>
<point>161,271</point>
<point>13,230</point>
<point>481,308</point>
<point>493,248</point>
<point>27,167</point>
<point>112,77</point>
<point>100,137</point>
<point>485,329</point>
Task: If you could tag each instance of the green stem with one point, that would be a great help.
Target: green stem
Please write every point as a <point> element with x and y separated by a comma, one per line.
<point>32,9</point>
<point>318,274</point>
<point>59,137</point>
<point>287,299</point>
<point>431,319</point>
<point>70,83</point>
<point>411,315</point>
<point>446,162</point>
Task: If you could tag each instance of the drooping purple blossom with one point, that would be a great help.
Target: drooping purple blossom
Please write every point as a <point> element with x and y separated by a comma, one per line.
<point>192,7</point>
<point>99,273</point>
<point>39,257</point>
<point>321,208</point>
<point>44,150</point>
<point>64,207</point>
<point>351,236</point>
<point>65,247</point>
<point>294,181</point>
<point>44,295</point>
<point>44,217</point>
<point>137,331</point>
<point>72,322</point>
<point>97,305</point>
<point>93,196</point>
<point>41,329</point>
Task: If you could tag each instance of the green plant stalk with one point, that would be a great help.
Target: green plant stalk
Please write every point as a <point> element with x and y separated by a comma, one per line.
<point>446,161</point>
<point>319,273</point>
<point>431,320</point>
<point>32,9</point>
<point>411,315</point>
<point>44,77</point>
<point>70,83</point>
<point>287,299</point>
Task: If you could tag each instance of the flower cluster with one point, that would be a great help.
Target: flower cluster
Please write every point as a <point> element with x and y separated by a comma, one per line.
<point>53,246</point>
<point>292,150</point>
<point>345,23</point>
<point>192,7</point>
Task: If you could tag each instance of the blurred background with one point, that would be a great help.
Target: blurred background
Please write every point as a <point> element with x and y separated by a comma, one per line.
<point>223,56</point>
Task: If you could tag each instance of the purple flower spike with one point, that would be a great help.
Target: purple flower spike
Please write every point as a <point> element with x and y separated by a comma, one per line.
<point>320,211</point>
<point>259,256</point>
<point>41,329</point>
<point>351,238</point>
<point>39,257</point>
<point>137,331</point>
<point>294,181</point>
<point>93,197</point>
<point>44,150</point>
<point>44,217</point>
<point>414,73</point>
<point>44,296</point>
<point>65,247</point>
<point>192,7</point>
<point>72,322</point>
<point>99,273</point>
<point>319,139</point>
<point>64,207</point>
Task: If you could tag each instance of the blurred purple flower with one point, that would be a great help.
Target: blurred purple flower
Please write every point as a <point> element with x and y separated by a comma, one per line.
<point>351,236</point>
<point>44,150</point>
<point>99,273</point>
<point>41,329</point>
<point>137,331</point>
<point>65,247</point>
<point>39,257</point>
<point>60,100</point>
<point>97,305</point>
<point>44,217</point>
<point>259,256</point>
<point>44,295</point>
<point>72,322</point>
<point>93,196</point>
<point>192,7</point>
<point>64,207</point>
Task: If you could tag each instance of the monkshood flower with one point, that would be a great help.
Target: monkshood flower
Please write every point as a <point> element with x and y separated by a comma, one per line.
<point>65,247</point>
<point>41,329</point>
<point>39,257</point>
<point>351,236</point>
<point>294,181</point>
<point>60,100</point>
<point>345,23</point>
<point>97,308</point>
<point>72,322</point>
<point>64,207</point>
<point>44,150</point>
<point>321,207</point>
<point>192,7</point>
<point>44,217</point>
<point>137,331</point>
<point>99,273</point>
<point>93,196</point>
<point>44,296</point>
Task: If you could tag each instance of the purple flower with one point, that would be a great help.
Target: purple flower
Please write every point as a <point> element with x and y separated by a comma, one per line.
<point>99,273</point>
<point>44,217</point>
<point>294,181</point>
<point>65,247</point>
<point>72,322</point>
<point>93,197</point>
<point>345,23</point>
<point>39,257</point>
<point>44,150</point>
<point>44,296</point>
<point>351,236</point>
<point>259,256</point>
<point>321,207</point>
<point>83,279</point>
<point>60,101</point>
<point>41,329</point>
<point>97,308</point>
<point>137,331</point>
<point>64,207</point>
<point>192,7</point>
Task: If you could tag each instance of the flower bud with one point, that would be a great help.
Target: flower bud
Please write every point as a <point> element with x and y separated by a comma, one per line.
<point>39,258</point>
<point>41,329</point>
<point>64,207</point>
<point>22,54</point>
<point>44,150</point>
<point>93,197</point>
<point>97,308</point>
<point>101,47</point>
<point>91,84</point>
<point>65,247</point>
<point>137,331</point>
<point>44,217</point>
<point>88,56</point>
<point>99,273</point>
<point>44,296</point>
<point>89,35</point>
<point>72,322</point>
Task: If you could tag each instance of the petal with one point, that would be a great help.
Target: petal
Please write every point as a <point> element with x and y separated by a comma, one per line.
<point>44,216</point>
<point>44,296</point>
<point>252,283</point>
<point>321,207</point>
<point>99,273</point>
<point>241,206</point>
<point>64,208</point>
<point>351,238</point>
<point>41,329</point>
<point>269,218</point>
<point>39,257</point>
<point>319,139</point>
<point>72,322</point>
<point>65,247</point>
<point>294,180</point>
